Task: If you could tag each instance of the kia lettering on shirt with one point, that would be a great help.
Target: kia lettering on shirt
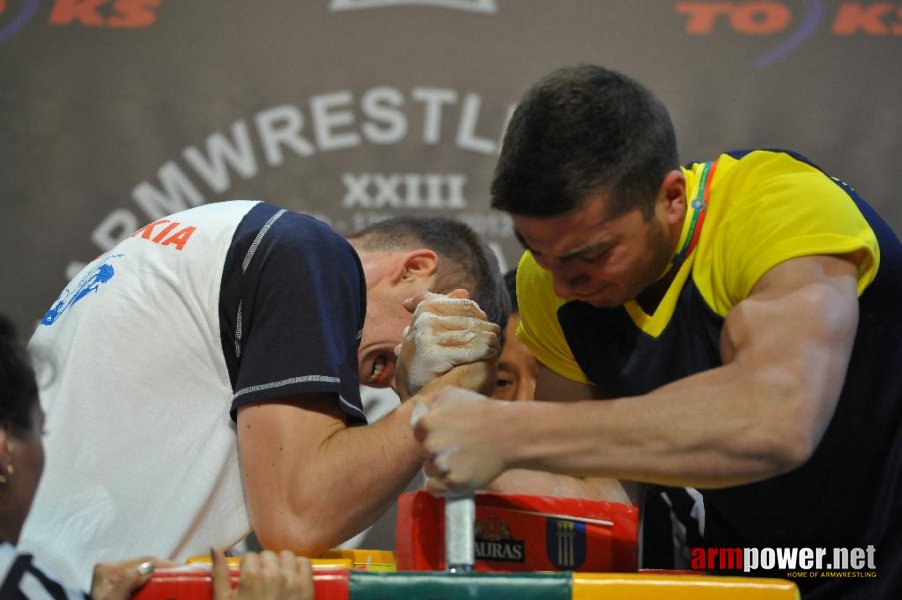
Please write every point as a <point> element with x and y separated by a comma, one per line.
<point>171,233</point>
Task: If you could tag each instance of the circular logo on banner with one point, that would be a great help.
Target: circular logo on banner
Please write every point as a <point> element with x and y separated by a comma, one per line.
<point>26,13</point>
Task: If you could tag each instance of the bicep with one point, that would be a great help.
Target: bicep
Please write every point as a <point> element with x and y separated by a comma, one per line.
<point>278,440</point>
<point>796,329</point>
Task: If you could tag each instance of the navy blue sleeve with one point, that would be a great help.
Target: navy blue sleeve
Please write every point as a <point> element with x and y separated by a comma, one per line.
<point>292,306</point>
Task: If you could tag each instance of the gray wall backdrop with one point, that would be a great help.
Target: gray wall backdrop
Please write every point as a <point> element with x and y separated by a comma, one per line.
<point>116,112</point>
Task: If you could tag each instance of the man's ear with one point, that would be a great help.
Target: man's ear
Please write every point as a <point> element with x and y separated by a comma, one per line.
<point>4,443</point>
<point>418,265</point>
<point>672,196</point>
<point>6,454</point>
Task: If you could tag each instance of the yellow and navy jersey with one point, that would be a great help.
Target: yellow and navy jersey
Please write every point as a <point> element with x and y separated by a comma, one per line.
<point>752,221</point>
<point>762,207</point>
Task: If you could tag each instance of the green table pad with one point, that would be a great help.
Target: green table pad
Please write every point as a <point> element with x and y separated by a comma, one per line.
<point>441,585</point>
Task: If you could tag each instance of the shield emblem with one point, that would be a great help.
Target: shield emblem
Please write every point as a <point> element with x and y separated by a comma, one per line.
<point>565,543</point>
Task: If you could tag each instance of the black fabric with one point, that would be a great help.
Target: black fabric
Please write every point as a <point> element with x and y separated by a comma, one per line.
<point>23,566</point>
<point>670,528</point>
<point>292,306</point>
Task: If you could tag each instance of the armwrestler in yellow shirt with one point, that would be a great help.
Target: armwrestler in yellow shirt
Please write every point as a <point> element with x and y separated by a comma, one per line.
<point>732,325</point>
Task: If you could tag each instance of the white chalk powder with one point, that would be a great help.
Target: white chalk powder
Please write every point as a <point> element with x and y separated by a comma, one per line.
<point>446,337</point>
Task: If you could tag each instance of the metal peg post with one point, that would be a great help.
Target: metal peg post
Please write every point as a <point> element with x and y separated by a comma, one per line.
<point>460,533</point>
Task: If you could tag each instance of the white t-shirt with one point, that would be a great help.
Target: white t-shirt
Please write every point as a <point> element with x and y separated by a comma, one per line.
<point>145,354</point>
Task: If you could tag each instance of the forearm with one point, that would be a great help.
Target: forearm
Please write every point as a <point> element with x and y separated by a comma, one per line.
<point>345,483</point>
<point>358,474</point>
<point>541,483</point>
<point>552,387</point>
<point>703,431</point>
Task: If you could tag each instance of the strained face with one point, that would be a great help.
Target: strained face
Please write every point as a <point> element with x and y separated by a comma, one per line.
<point>604,262</point>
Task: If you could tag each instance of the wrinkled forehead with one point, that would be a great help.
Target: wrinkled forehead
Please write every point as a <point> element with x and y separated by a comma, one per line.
<point>569,233</point>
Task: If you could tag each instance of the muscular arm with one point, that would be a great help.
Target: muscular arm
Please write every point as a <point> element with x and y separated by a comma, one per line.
<point>785,351</point>
<point>312,482</point>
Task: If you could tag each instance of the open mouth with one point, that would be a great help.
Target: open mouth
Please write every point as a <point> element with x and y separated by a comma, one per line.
<point>383,370</point>
<point>378,368</point>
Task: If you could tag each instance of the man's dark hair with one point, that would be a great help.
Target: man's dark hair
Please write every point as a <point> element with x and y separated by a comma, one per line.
<point>18,387</point>
<point>510,282</point>
<point>468,262</point>
<point>582,131</point>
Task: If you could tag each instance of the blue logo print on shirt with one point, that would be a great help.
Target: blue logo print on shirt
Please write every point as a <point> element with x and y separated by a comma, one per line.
<point>89,284</point>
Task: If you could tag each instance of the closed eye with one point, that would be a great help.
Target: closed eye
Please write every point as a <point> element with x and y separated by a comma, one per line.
<point>594,255</point>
